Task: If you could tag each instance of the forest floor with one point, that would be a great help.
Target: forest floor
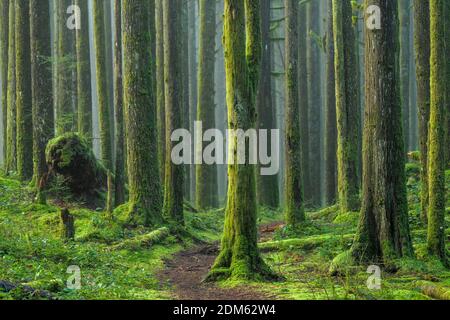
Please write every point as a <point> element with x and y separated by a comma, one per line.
<point>122,263</point>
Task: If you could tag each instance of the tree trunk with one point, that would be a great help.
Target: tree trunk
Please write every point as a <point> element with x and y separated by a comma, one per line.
<point>119,192</point>
<point>383,232</point>
<point>295,213</point>
<point>304,101</point>
<point>315,101</point>
<point>422,49</point>
<point>206,175</point>
<point>404,19</point>
<point>266,186</point>
<point>64,78</point>
<point>348,115</point>
<point>160,91</point>
<point>173,191</point>
<point>23,92</point>
<point>330,116</point>
<point>42,88</point>
<point>439,64</point>
<point>102,84</point>
<point>193,84</point>
<point>239,256</point>
<point>84,90</point>
<point>11,158</point>
<point>142,149</point>
<point>4,11</point>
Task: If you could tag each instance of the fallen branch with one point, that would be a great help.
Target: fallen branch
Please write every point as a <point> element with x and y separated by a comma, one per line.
<point>143,241</point>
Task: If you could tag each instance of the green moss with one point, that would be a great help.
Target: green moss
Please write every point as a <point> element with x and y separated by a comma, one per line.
<point>350,218</point>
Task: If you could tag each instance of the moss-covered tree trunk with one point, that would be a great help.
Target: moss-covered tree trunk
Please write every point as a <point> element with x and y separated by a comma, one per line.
<point>405,57</point>
<point>438,109</point>
<point>206,175</point>
<point>295,213</point>
<point>23,91</point>
<point>11,158</point>
<point>4,11</point>
<point>330,116</point>
<point>239,256</point>
<point>174,174</point>
<point>304,100</point>
<point>102,84</point>
<point>119,182</point>
<point>348,115</point>
<point>193,83</point>
<point>422,51</point>
<point>140,114</point>
<point>266,186</point>
<point>315,101</point>
<point>160,91</point>
<point>84,90</point>
<point>42,89</point>
<point>65,121</point>
<point>383,233</point>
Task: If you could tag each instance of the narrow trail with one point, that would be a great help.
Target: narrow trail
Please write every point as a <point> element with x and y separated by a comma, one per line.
<point>186,271</point>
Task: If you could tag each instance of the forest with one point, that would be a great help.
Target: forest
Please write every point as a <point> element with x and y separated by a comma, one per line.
<point>224,150</point>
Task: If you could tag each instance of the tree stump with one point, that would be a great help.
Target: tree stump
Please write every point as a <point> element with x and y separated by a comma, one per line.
<point>68,225</point>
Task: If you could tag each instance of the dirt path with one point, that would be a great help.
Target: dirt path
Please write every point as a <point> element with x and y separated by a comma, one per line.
<point>188,268</point>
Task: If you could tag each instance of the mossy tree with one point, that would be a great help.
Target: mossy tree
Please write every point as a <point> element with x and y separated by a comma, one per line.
<point>4,11</point>
<point>11,155</point>
<point>438,110</point>
<point>193,83</point>
<point>42,89</point>
<point>330,115</point>
<point>383,232</point>
<point>348,115</point>
<point>304,100</point>
<point>119,181</point>
<point>84,90</point>
<point>266,186</point>
<point>104,108</point>
<point>239,257</point>
<point>174,174</point>
<point>294,206</point>
<point>140,114</point>
<point>24,118</point>
<point>160,91</point>
<point>405,57</point>
<point>422,52</point>
<point>65,121</point>
<point>206,175</point>
<point>315,100</point>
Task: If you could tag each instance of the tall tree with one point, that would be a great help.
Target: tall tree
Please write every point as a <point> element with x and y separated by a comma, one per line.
<point>295,213</point>
<point>4,11</point>
<point>348,115</point>
<point>160,88</point>
<point>64,78</point>
<point>84,90</point>
<point>438,109</point>
<point>315,100</point>
<point>422,51</point>
<point>239,256</point>
<point>119,181</point>
<point>266,186</point>
<point>193,84</point>
<point>11,159</point>
<point>405,56</point>
<point>144,187</point>
<point>206,175</point>
<point>174,174</point>
<point>330,115</point>
<point>304,100</point>
<point>23,91</point>
<point>42,89</point>
<point>102,84</point>
<point>383,233</point>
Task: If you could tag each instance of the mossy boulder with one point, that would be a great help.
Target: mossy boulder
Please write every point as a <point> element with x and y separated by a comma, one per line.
<point>71,157</point>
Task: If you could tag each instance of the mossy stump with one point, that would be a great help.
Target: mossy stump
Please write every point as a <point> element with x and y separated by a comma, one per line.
<point>67,225</point>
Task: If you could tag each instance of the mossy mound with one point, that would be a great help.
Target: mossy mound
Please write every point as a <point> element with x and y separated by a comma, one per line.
<point>71,157</point>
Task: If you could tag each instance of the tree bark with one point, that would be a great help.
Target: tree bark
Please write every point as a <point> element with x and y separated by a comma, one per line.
<point>4,25</point>
<point>160,88</point>
<point>11,158</point>
<point>405,56</point>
